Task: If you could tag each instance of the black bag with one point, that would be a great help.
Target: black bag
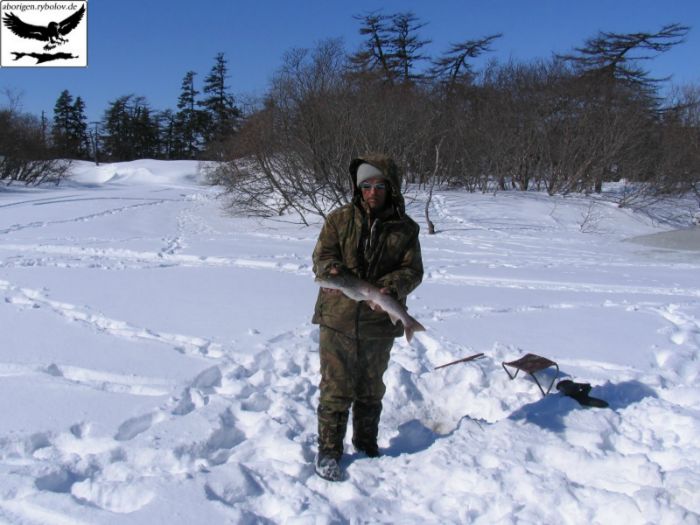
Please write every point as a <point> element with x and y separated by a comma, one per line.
<point>579,391</point>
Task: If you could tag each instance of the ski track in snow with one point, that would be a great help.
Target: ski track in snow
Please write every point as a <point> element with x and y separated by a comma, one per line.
<point>242,430</point>
<point>83,218</point>
<point>29,298</point>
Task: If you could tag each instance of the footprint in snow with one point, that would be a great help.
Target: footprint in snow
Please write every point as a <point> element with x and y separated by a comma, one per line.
<point>234,486</point>
<point>134,426</point>
<point>218,447</point>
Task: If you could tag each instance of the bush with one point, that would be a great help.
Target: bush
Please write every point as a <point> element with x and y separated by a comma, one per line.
<point>24,156</point>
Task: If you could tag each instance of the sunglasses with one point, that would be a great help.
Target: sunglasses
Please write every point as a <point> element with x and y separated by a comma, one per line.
<point>366,186</point>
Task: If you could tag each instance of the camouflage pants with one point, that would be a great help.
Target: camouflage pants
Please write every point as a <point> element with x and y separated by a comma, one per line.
<point>351,376</point>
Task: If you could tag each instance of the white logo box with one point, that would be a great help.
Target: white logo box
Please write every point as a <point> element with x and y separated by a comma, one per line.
<point>43,33</point>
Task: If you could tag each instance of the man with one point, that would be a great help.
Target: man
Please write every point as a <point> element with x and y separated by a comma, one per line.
<point>374,239</point>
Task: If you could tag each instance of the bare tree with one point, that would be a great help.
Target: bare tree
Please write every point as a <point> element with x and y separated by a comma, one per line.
<point>433,181</point>
<point>679,144</point>
<point>563,125</point>
<point>609,67</point>
<point>293,154</point>
<point>515,108</point>
<point>24,157</point>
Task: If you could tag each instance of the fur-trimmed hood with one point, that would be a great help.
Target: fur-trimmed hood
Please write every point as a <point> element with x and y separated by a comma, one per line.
<point>392,173</point>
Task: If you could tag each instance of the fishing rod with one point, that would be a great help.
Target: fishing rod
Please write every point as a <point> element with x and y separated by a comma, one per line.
<point>463,360</point>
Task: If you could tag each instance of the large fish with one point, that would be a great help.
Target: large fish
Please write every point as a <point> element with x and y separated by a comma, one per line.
<point>359,290</point>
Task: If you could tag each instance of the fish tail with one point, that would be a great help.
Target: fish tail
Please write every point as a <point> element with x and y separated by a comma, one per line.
<point>413,327</point>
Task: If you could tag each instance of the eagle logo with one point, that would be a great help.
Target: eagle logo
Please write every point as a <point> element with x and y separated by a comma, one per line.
<point>53,33</point>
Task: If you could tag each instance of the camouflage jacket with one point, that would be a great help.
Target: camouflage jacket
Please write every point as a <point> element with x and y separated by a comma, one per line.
<point>384,250</point>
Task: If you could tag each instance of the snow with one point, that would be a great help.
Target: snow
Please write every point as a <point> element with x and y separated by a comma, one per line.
<point>158,364</point>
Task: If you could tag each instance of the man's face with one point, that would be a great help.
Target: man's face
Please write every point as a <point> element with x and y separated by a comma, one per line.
<point>374,192</point>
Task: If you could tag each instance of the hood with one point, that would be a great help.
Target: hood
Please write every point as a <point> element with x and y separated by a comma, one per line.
<point>392,173</point>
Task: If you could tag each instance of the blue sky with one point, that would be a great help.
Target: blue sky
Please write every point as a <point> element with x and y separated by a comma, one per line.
<point>146,47</point>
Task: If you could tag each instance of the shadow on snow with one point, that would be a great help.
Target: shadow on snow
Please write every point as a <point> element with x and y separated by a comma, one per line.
<point>550,411</point>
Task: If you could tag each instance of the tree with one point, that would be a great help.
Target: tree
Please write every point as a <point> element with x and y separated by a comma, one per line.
<point>62,124</point>
<point>188,121</point>
<point>117,140</point>
<point>169,139</point>
<point>615,56</point>
<point>219,106</point>
<point>69,130</point>
<point>78,130</point>
<point>375,55</point>
<point>292,155</point>
<point>392,49</point>
<point>131,129</point>
<point>145,130</point>
<point>559,125</point>
<point>616,84</point>
<point>679,159</point>
<point>407,46</point>
<point>453,67</point>
<point>24,157</point>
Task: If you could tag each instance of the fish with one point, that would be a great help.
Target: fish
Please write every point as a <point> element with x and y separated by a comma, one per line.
<point>360,290</point>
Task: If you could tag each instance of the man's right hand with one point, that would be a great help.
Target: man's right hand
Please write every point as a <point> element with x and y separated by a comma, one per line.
<point>332,291</point>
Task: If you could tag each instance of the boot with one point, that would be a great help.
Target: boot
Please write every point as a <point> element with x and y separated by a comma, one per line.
<point>327,467</point>
<point>331,432</point>
<point>365,423</point>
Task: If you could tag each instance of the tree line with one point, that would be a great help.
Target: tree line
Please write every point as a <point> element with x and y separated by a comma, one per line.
<point>564,124</point>
<point>35,149</point>
<point>131,129</point>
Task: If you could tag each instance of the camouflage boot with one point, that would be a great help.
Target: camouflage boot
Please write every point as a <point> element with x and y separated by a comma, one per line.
<point>365,423</point>
<point>331,433</point>
<point>328,468</point>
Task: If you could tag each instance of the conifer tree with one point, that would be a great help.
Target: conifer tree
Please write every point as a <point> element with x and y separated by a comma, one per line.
<point>168,138</point>
<point>407,46</point>
<point>145,130</point>
<point>393,47</point>
<point>131,129</point>
<point>453,65</point>
<point>611,57</point>
<point>219,107</point>
<point>62,123</point>
<point>375,55</point>
<point>188,121</point>
<point>78,130</point>
<point>69,130</point>
<point>116,140</point>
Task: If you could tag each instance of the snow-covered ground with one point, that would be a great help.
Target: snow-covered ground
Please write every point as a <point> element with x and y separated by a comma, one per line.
<point>158,365</point>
